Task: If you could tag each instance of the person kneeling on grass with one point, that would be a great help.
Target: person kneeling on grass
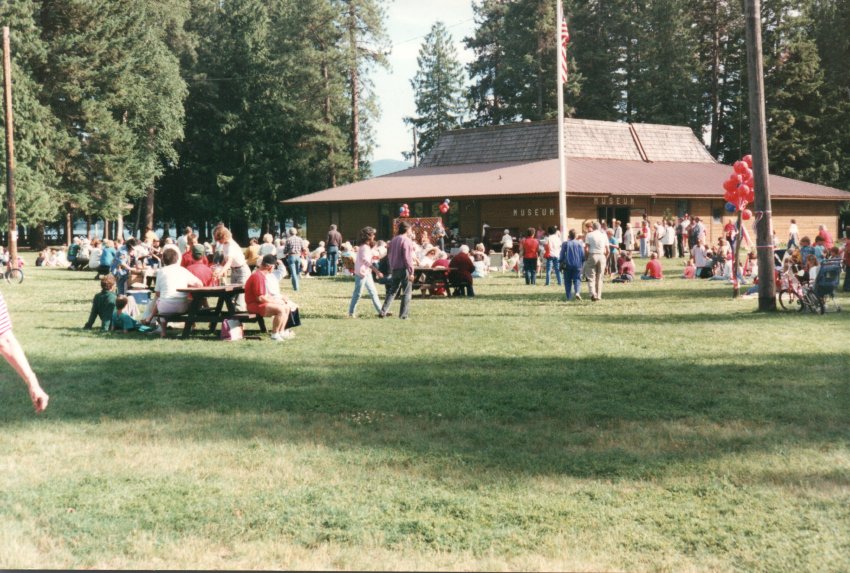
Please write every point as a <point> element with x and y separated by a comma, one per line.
<point>653,269</point>
<point>263,297</point>
<point>121,320</point>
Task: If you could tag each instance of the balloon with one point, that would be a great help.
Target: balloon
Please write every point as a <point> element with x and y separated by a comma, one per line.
<point>739,167</point>
<point>444,209</point>
<point>447,201</point>
<point>746,214</point>
<point>751,195</point>
<point>743,191</point>
<point>730,207</point>
<point>748,159</point>
<point>730,185</point>
<point>730,196</point>
<point>401,211</point>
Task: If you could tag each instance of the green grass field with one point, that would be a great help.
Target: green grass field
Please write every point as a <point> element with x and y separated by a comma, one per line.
<point>665,428</point>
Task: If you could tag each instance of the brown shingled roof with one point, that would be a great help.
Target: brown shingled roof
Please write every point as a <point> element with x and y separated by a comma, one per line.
<point>584,177</point>
<point>583,138</point>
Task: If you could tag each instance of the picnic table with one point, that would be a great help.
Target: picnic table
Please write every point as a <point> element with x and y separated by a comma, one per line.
<point>224,308</point>
<point>428,278</point>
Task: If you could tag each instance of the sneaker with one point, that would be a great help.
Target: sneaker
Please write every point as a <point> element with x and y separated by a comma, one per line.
<point>287,334</point>
<point>578,297</point>
<point>276,336</point>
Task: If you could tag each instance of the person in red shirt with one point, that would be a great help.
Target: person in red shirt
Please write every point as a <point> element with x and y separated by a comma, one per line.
<point>260,301</point>
<point>199,266</point>
<point>529,247</point>
<point>827,238</point>
<point>653,269</point>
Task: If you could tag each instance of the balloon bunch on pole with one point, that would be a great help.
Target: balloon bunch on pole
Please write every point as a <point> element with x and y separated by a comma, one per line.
<point>740,188</point>
<point>445,206</point>
<point>404,211</point>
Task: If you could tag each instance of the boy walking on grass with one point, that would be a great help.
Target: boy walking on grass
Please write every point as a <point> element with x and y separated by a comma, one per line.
<point>103,304</point>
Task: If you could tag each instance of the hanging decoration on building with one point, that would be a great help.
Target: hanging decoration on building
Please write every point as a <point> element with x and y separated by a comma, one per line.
<point>404,211</point>
<point>445,206</point>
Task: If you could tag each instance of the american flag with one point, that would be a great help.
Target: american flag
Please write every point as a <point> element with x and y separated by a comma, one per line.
<point>565,40</point>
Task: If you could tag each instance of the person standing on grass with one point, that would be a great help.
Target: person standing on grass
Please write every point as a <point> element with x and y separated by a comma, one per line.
<point>596,243</point>
<point>11,350</point>
<point>400,258</point>
<point>292,251</point>
<point>363,266</point>
<point>553,250</point>
<point>332,245</point>
<point>529,247</point>
<point>793,234</point>
<point>183,240</point>
<point>571,260</point>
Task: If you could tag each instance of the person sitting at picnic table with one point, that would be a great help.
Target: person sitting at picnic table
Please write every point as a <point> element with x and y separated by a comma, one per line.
<point>200,266</point>
<point>268,247</point>
<point>121,320</point>
<point>626,270</point>
<point>169,300</point>
<point>103,304</point>
<point>262,300</point>
<point>653,269</point>
<point>460,272</point>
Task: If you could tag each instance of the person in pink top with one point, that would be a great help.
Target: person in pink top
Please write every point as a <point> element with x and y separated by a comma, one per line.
<point>363,266</point>
<point>653,269</point>
<point>827,238</point>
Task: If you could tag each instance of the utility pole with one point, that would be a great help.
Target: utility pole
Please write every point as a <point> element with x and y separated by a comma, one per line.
<point>758,147</point>
<point>415,149</point>
<point>10,152</point>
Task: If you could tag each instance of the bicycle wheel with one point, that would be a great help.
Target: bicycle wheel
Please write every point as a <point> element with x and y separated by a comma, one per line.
<point>14,276</point>
<point>789,301</point>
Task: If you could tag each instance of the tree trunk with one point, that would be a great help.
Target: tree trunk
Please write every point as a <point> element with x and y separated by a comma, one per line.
<point>106,234</point>
<point>37,241</point>
<point>119,226</point>
<point>328,122</point>
<point>68,229</point>
<point>149,208</point>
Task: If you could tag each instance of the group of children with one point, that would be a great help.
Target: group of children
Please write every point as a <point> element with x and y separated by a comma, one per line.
<point>116,312</point>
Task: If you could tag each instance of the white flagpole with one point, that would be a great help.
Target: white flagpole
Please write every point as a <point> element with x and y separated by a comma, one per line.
<point>562,160</point>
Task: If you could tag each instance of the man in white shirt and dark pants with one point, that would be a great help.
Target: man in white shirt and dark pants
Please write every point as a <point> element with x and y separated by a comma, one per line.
<point>596,243</point>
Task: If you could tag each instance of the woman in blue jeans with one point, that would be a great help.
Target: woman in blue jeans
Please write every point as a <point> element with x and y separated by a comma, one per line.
<point>363,266</point>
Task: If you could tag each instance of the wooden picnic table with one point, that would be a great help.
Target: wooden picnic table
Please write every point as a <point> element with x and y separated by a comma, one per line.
<point>426,277</point>
<point>225,306</point>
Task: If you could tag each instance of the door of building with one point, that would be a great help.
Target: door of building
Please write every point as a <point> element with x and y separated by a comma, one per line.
<point>608,214</point>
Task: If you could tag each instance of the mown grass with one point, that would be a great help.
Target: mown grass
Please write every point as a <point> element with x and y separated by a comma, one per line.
<point>667,427</point>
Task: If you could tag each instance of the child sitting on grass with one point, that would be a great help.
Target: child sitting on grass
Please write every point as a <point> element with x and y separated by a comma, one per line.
<point>690,269</point>
<point>103,304</point>
<point>121,320</point>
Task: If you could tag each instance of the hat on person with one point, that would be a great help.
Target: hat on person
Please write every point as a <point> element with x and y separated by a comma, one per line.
<point>197,251</point>
<point>269,260</point>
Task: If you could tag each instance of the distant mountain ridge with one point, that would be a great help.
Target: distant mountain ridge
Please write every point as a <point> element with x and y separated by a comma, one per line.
<point>385,166</point>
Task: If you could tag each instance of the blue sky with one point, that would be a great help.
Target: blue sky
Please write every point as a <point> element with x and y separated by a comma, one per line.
<point>408,21</point>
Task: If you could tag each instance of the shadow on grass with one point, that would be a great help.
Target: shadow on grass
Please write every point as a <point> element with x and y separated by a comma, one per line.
<point>591,417</point>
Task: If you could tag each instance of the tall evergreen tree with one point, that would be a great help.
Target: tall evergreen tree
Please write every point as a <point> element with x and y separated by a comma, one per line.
<point>438,88</point>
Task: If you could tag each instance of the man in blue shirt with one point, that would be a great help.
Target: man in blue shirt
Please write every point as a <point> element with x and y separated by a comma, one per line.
<point>571,261</point>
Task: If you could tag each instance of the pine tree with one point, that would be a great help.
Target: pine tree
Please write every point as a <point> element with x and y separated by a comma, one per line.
<point>438,89</point>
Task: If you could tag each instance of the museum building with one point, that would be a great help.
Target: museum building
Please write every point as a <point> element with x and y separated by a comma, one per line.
<point>506,177</point>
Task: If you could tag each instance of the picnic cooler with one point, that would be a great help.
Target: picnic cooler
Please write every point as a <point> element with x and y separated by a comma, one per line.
<point>141,296</point>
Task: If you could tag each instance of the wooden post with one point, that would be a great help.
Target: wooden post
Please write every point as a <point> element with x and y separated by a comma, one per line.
<point>10,151</point>
<point>758,146</point>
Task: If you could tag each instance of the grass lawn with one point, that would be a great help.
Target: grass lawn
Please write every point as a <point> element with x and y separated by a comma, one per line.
<point>665,428</point>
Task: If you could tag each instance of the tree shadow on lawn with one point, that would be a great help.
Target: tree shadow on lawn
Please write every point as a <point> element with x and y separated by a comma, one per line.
<point>597,417</point>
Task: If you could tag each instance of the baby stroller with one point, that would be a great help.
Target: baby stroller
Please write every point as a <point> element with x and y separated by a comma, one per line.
<point>815,296</point>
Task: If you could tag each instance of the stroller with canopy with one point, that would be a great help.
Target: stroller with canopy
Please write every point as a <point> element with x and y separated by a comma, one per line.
<point>816,296</point>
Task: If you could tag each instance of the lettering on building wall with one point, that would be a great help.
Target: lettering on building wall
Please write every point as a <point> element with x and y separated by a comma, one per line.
<point>606,201</point>
<point>534,212</point>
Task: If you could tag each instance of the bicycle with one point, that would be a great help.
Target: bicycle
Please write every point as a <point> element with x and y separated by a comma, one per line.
<point>790,292</point>
<point>13,275</point>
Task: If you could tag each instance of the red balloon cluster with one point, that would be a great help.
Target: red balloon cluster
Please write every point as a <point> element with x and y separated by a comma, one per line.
<point>445,206</point>
<point>740,187</point>
<point>404,211</point>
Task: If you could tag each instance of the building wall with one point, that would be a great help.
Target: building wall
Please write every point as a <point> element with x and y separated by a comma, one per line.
<point>808,214</point>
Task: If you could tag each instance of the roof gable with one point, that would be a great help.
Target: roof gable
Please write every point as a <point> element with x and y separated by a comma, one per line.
<point>583,139</point>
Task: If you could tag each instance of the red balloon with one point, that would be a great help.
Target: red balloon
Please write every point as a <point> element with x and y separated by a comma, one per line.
<point>748,159</point>
<point>444,208</point>
<point>731,196</point>
<point>751,195</point>
<point>746,214</point>
<point>740,167</point>
<point>730,185</point>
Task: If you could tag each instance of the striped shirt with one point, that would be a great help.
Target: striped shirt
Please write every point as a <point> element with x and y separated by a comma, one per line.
<point>5,319</point>
<point>293,246</point>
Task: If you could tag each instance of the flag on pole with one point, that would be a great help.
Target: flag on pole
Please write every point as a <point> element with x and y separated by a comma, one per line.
<point>565,40</point>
